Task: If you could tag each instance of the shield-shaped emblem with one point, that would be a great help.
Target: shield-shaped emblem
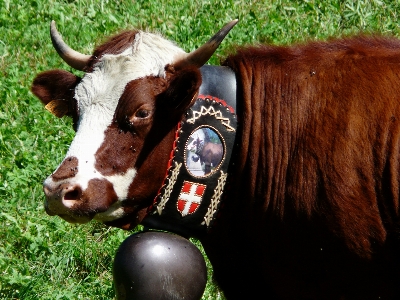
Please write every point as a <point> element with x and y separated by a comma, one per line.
<point>190,197</point>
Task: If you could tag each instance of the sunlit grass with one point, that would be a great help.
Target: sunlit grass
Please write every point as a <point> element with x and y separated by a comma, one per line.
<point>43,257</point>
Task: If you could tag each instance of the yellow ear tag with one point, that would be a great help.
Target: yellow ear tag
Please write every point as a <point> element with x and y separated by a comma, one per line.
<point>59,108</point>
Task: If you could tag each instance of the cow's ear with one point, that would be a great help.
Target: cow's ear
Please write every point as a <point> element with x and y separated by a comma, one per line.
<point>183,86</point>
<point>55,89</point>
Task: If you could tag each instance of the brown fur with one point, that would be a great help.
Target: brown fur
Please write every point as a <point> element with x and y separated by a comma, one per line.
<point>118,152</point>
<point>114,45</point>
<point>67,169</point>
<point>315,214</point>
<point>98,197</point>
<point>57,85</point>
<point>54,85</point>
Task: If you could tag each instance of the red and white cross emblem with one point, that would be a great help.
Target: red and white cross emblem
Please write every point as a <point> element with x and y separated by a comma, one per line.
<point>190,197</point>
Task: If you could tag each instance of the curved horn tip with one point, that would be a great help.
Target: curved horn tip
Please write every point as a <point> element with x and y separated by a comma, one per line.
<point>57,40</point>
<point>202,54</point>
<point>228,26</point>
<point>233,22</point>
<point>220,35</point>
<point>73,58</point>
<point>53,29</point>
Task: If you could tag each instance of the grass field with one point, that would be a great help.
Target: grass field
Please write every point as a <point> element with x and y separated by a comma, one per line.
<point>43,257</point>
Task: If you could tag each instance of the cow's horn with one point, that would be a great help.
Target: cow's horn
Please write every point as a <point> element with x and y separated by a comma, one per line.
<point>202,54</point>
<point>73,58</point>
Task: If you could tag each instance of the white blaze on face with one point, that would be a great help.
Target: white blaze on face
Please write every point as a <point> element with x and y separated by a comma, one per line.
<point>97,96</point>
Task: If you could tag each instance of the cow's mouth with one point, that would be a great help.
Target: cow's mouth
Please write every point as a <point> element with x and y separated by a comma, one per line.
<point>68,216</point>
<point>130,220</point>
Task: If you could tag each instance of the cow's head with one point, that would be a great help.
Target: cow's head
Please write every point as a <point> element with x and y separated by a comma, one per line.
<point>135,90</point>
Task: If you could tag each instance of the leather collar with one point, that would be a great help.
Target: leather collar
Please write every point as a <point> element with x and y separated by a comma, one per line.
<point>190,198</point>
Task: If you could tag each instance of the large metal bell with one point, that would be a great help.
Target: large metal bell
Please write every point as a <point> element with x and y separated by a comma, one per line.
<point>159,265</point>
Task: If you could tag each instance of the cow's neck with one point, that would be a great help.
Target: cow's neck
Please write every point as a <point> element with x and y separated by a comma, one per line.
<point>189,201</point>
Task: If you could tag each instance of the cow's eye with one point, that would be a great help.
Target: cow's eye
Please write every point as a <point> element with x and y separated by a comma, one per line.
<point>142,113</point>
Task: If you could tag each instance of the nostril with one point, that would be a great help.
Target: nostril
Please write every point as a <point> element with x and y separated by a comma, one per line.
<point>73,195</point>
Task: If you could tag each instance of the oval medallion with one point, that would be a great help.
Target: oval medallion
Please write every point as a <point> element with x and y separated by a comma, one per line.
<point>204,152</point>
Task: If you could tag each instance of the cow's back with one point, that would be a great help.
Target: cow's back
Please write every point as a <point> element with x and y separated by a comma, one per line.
<point>317,172</point>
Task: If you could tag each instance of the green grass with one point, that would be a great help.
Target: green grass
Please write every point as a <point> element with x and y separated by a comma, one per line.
<point>43,257</point>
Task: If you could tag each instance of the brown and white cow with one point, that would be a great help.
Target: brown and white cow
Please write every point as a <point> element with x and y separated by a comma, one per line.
<point>312,211</point>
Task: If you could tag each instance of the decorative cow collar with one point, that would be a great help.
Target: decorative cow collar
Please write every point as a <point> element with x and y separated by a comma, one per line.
<point>190,198</point>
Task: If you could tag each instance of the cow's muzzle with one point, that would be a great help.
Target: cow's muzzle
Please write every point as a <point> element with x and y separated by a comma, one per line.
<point>61,200</point>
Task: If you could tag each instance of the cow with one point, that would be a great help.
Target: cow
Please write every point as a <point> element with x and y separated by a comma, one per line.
<point>208,153</point>
<point>312,206</point>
